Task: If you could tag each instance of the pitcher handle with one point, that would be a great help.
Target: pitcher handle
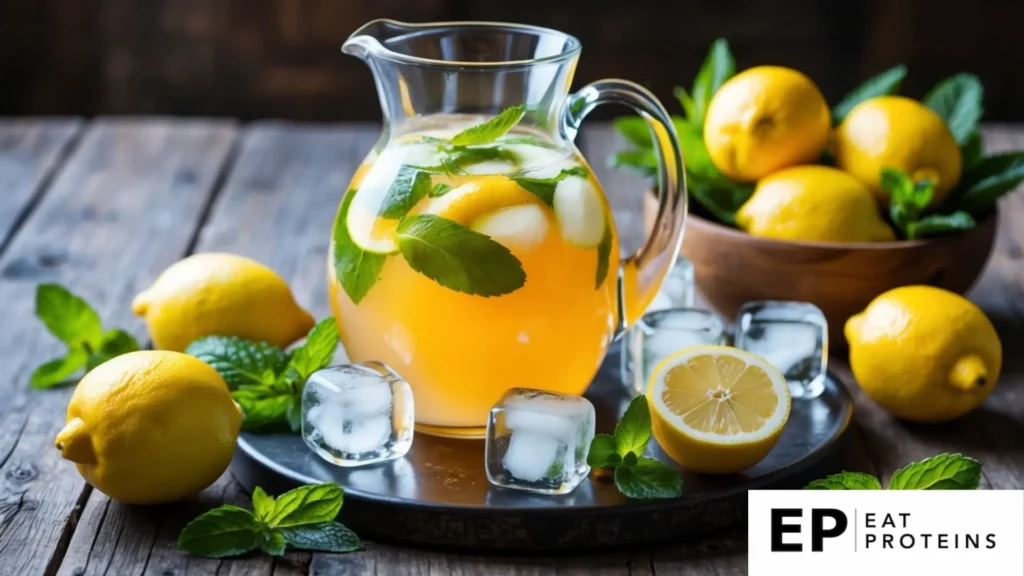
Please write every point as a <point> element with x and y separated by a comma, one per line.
<point>641,274</point>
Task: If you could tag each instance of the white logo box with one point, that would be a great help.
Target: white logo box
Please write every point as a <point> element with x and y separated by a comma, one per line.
<point>899,533</point>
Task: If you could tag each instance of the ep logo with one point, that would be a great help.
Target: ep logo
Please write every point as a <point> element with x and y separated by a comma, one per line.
<point>824,523</point>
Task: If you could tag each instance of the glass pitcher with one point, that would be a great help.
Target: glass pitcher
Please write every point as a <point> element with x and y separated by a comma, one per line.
<point>474,251</point>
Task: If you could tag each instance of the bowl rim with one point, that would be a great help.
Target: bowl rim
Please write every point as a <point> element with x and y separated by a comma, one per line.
<point>990,221</point>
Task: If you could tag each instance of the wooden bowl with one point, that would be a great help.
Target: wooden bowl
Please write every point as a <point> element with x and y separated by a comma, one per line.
<point>732,267</point>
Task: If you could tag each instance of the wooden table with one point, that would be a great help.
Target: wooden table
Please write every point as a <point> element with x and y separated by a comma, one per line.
<point>104,206</point>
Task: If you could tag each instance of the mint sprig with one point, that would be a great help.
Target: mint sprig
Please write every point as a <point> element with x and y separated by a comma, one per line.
<point>72,320</point>
<point>491,130</point>
<point>942,472</point>
<point>635,476</point>
<point>544,188</point>
<point>266,381</point>
<point>908,202</point>
<point>302,519</point>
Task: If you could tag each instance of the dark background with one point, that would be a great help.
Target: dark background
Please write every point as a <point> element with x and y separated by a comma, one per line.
<point>281,58</point>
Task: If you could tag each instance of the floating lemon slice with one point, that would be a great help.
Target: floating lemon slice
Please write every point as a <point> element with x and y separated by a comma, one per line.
<point>481,196</point>
<point>373,234</point>
<point>717,409</point>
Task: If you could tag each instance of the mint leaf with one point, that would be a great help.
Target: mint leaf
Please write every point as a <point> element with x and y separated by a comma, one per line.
<point>942,472</point>
<point>921,194</point>
<point>846,481</point>
<point>635,130</point>
<point>408,187</point>
<point>937,224</point>
<point>458,258</point>
<point>262,504</point>
<point>603,452</point>
<point>323,537</point>
<point>224,531</point>
<point>648,479</point>
<point>544,188</point>
<point>114,343</point>
<point>957,100</point>
<point>887,82</point>
<point>633,431</point>
<point>440,189</point>
<point>264,408</point>
<point>718,66</point>
<point>59,370</point>
<point>357,270</point>
<point>310,504</point>
<point>604,254</point>
<point>272,542</point>
<point>316,352</point>
<point>686,102</point>
<point>490,130</point>
<point>68,317</point>
<point>988,180</point>
<point>239,362</point>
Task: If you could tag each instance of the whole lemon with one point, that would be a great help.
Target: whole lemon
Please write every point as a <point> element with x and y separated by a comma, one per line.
<point>220,294</point>
<point>151,427</point>
<point>764,119</point>
<point>897,132</point>
<point>813,203</point>
<point>924,354</point>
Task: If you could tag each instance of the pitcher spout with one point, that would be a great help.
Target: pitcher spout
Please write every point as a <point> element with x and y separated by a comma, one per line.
<point>368,40</point>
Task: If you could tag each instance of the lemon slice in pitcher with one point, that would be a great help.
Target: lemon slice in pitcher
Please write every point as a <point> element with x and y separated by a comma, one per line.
<point>717,409</point>
<point>483,195</point>
<point>373,234</point>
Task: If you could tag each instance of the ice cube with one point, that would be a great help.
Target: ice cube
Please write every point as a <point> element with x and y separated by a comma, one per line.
<point>356,414</point>
<point>792,336</point>
<point>522,226</point>
<point>662,333</point>
<point>538,441</point>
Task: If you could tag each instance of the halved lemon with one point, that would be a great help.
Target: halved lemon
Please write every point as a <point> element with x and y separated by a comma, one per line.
<point>717,409</point>
<point>483,195</point>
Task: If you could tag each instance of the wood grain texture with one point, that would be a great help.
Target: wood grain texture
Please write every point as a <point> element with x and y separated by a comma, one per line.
<point>122,207</point>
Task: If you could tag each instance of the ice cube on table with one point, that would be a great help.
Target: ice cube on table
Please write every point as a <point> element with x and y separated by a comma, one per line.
<point>538,441</point>
<point>662,333</point>
<point>356,414</point>
<point>792,336</point>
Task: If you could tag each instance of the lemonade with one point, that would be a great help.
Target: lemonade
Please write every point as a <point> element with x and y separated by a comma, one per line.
<point>472,265</point>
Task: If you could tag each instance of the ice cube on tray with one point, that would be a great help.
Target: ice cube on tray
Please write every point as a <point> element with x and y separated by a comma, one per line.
<point>792,336</point>
<point>357,414</point>
<point>538,441</point>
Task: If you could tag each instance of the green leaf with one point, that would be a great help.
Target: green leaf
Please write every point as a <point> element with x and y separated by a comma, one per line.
<point>689,108</point>
<point>921,194</point>
<point>317,351</point>
<point>604,253</point>
<point>323,537</point>
<point>409,186</point>
<point>264,408</point>
<point>68,317</point>
<point>972,150</point>
<point>59,370</point>
<point>846,481</point>
<point>115,343</point>
<point>721,201</point>
<point>262,504</point>
<point>357,270</point>
<point>937,224</point>
<point>224,531</point>
<point>240,362</point>
<point>642,162</point>
<point>440,189</point>
<point>603,452</point>
<point>544,188</point>
<point>629,459</point>
<point>633,431</point>
<point>490,130</point>
<point>454,160</point>
<point>942,472</point>
<point>310,504</point>
<point>634,129</point>
<point>988,180</point>
<point>272,542</point>
<point>648,479</point>
<point>458,258</point>
<point>719,66</point>
<point>957,100</point>
<point>887,82</point>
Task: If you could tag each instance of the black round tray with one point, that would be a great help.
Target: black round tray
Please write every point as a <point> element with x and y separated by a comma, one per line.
<point>438,494</point>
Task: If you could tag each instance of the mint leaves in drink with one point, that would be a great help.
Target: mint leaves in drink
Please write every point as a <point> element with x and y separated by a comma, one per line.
<point>491,130</point>
<point>303,519</point>
<point>544,188</point>
<point>267,382</point>
<point>942,472</point>
<point>72,320</point>
<point>457,257</point>
<point>357,269</point>
<point>635,476</point>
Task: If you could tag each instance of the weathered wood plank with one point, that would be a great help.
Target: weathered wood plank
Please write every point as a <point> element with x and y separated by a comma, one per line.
<point>276,206</point>
<point>123,206</point>
<point>31,150</point>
